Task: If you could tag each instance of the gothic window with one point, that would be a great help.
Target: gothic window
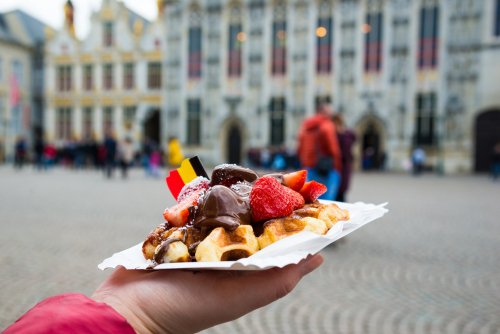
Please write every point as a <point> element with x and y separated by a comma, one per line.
<point>128,76</point>
<point>64,79</point>
<point>279,37</point>
<point>194,122</point>
<point>497,18</point>
<point>195,45</point>
<point>428,36</point>
<point>372,29</point>
<point>154,75</point>
<point>324,34</point>
<point>426,110</point>
<point>64,123</point>
<point>107,118</point>
<point>87,123</point>
<point>129,116</point>
<point>87,77</point>
<point>108,76</point>
<point>277,120</point>
<point>107,36</point>
<point>236,37</point>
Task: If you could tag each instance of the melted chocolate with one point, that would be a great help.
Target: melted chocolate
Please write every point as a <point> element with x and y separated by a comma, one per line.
<point>163,249</point>
<point>228,175</point>
<point>222,207</point>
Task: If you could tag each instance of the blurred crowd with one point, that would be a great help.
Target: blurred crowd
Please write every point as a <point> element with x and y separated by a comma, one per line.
<point>106,155</point>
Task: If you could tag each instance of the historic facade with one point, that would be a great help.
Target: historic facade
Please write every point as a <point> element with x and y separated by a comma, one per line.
<point>21,79</point>
<point>110,81</point>
<point>243,74</point>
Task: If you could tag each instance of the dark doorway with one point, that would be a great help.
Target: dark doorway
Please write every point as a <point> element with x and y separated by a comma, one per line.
<point>152,126</point>
<point>234,145</point>
<point>487,135</point>
<point>370,149</point>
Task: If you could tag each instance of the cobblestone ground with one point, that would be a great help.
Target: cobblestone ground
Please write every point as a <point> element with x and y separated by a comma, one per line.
<point>432,265</point>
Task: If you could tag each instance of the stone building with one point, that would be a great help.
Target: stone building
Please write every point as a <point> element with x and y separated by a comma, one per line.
<point>21,79</point>
<point>244,73</point>
<point>109,81</point>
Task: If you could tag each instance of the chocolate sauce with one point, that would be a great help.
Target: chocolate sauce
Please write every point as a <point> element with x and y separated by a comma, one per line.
<point>222,207</point>
<point>228,175</point>
<point>163,249</point>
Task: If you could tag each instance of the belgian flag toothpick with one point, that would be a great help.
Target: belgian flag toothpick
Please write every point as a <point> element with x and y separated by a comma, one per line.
<point>189,170</point>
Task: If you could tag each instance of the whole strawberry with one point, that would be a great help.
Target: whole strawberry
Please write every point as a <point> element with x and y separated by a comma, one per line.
<point>269,199</point>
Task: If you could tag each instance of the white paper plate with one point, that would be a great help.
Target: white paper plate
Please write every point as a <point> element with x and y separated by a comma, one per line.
<point>284,252</point>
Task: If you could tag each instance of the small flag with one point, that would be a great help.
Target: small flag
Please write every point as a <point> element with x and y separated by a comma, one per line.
<point>189,170</point>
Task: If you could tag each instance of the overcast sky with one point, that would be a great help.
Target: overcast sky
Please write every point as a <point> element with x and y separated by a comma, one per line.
<point>51,11</point>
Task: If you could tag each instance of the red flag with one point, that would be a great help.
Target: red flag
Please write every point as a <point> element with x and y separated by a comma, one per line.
<point>15,94</point>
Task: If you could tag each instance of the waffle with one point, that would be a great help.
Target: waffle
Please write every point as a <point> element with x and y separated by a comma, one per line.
<point>329,213</point>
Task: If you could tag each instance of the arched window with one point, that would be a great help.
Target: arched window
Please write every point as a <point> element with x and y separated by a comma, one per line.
<point>372,28</point>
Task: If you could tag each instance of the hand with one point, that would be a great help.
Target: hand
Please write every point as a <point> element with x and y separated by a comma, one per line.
<point>181,301</point>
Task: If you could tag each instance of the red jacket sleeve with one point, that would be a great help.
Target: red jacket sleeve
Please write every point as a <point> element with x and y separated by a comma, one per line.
<point>332,144</point>
<point>70,313</point>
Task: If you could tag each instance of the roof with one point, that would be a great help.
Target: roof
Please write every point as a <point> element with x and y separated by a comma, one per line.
<point>19,27</point>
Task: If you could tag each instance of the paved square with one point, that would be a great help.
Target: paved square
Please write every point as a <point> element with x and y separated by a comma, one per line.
<point>431,265</point>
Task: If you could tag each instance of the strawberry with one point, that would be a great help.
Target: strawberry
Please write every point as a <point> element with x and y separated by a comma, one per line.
<point>178,215</point>
<point>295,180</point>
<point>269,199</point>
<point>199,183</point>
<point>312,190</point>
<point>297,199</point>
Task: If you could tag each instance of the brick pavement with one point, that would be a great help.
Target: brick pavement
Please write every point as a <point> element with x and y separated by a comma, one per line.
<point>432,265</point>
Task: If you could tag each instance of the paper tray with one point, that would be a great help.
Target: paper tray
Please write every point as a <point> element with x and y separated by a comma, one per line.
<point>284,252</point>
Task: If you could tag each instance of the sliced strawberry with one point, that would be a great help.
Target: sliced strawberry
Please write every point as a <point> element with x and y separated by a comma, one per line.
<point>199,183</point>
<point>269,199</point>
<point>297,199</point>
<point>312,190</point>
<point>295,180</point>
<point>178,215</point>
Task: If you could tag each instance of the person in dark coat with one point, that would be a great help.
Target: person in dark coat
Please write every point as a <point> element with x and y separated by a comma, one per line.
<point>110,156</point>
<point>346,139</point>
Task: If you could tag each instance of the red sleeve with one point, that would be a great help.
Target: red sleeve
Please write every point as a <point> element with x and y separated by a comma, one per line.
<point>70,313</point>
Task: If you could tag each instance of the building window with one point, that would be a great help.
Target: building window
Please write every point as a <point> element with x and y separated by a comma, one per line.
<point>372,29</point>
<point>428,41</point>
<point>236,38</point>
<point>193,122</point>
<point>87,123</point>
<point>107,36</point>
<point>108,76</point>
<point>87,77</point>
<point>324,35</point>
<point>64,123</point>
<point>154,75</point>
<point>129,116</point>
<point>497,18</point>
<point>107,119</point>
<point>194,62</point>
<point>279,40</point>
<point>64,78</point>
<point>426,109</point>
<point>128,76</point>
<point>277,114</point>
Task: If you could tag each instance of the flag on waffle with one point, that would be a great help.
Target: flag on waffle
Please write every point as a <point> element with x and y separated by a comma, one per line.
<point>189,170</point>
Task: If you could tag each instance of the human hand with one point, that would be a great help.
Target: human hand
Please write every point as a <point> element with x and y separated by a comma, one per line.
<point>181,301</point>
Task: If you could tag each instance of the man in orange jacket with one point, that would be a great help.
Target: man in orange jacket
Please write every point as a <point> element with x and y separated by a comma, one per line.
<point>319,151</point>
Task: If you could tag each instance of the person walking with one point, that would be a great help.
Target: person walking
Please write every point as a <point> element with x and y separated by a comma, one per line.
<point>495,161</point>
<point>175,155</point>
<point>20,153</point>
<point>319,151</point>
<point>110,155</point>
<point>418,159</point>
<point>126,156</point>
<point>346,138</point>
